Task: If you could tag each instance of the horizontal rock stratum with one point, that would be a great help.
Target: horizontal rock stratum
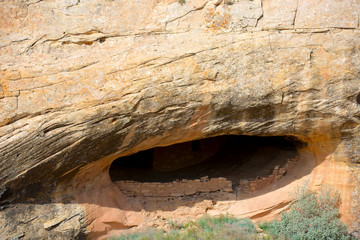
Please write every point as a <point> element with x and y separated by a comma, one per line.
<point>85,82</point>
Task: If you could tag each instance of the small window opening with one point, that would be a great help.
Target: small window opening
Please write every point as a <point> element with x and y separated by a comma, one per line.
<point>101,40</point>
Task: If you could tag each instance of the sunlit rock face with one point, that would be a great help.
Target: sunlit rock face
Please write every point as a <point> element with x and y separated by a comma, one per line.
<point>83,83</point>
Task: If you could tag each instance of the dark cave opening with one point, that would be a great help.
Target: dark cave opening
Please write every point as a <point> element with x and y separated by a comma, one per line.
<point>358,98</point>
<point>232,157</point>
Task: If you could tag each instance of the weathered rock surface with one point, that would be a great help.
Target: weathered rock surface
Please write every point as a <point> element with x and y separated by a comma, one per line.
<point>84,82</point>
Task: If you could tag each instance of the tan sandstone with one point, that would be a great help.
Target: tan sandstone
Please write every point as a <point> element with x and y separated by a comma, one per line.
<point>85,82</point>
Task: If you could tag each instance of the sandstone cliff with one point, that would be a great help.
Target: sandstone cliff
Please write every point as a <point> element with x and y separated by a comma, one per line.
<point>85,82</point>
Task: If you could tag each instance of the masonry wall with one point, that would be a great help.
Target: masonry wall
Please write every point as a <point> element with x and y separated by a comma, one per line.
<point>187,187</point>
<point>261,182</point>
<point>175,188</point>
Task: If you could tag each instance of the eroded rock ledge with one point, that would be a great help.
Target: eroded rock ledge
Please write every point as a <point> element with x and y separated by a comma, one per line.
<point>83,83</point>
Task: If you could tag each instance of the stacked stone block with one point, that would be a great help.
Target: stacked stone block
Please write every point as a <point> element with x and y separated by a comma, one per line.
<point>176,188</point>
<point>262,182</point>
<point>186,187</point>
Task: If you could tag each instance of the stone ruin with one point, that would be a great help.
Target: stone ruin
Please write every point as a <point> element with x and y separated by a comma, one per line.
<point>186,187</point>
<point>147,168</point>
<point>261,182</point>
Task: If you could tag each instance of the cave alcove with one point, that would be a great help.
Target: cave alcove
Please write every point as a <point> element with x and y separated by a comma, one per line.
<point>230,157</point>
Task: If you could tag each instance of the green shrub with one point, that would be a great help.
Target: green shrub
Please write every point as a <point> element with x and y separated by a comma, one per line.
<point>207,223</point>
<point>150,234</point>
<point>207,228</point>
<point>314,215</point>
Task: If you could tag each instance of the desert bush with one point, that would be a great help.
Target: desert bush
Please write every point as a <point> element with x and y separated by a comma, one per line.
<point>314,215</point>
<point>224,227</point>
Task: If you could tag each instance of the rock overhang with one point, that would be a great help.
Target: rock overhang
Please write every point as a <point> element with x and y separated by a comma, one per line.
<point>177,73</point>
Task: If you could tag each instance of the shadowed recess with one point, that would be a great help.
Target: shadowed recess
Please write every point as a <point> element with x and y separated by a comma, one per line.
<point>358,98</point>
<point>231,157</point>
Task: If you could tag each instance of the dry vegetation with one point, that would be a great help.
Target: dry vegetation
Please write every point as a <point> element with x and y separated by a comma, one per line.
<point>314,215</point>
